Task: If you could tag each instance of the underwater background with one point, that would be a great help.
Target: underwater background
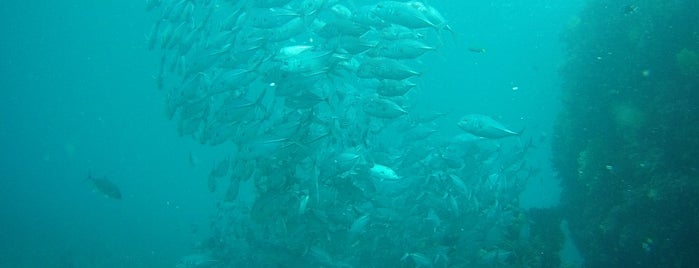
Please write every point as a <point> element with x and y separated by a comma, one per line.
<point>602,175</point>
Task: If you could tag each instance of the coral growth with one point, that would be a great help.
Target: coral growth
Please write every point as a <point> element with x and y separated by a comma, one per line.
<point>688,62</point>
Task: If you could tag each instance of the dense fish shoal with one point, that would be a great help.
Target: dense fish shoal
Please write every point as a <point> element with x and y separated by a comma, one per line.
<point>330,164</point>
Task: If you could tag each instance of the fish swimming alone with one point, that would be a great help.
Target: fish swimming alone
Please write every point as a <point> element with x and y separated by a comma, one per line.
<point>105,186</point>
<point>485,126</point>
<point>476,49</point>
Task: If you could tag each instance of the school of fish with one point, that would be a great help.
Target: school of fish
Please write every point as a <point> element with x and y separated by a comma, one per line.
<point>330,166</point>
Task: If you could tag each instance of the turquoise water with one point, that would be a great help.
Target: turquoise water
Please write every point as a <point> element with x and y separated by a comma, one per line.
<point>79,96</point>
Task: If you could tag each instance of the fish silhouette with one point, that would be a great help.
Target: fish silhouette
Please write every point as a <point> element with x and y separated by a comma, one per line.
<point>105,186</point>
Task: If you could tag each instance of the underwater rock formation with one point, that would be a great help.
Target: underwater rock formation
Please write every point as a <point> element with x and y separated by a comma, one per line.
<point>626,144</point>
<point>688,62</point>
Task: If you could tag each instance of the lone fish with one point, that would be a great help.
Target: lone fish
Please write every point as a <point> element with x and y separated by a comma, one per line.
<point>105,186</point>
<point>484,126</point>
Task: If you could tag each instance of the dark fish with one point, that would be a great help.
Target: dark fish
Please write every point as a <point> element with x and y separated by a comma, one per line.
<point>630,9</point>
<point>476,49</point>
<point>105,186</point>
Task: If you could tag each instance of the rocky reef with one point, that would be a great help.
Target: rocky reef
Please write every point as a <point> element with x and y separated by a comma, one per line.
<point>627,144</point>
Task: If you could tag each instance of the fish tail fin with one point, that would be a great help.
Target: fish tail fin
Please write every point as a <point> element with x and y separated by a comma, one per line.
<point>258,101</point>
<point>519,133</point>
<point>440,54</point>
<point>258,106</point>
<point>256,63</point>
<point>440,29</point>
<point>454,35</point>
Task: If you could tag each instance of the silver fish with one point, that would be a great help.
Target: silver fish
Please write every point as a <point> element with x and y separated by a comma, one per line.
<point>270,3</point>
<point>341,11</point>
<point>342,27</point>
<point>382,172</point>
<point>311,7</point>
<point>359,225</point>
<point>308,62</point>
<point>402,14</point>
<point>236,108</point>
<point>288,30</point>
<point>346,160</point>
<point>484,126</point>
<point>383,68</point>
<point>269,18</point>
<point>354,45</point>
<point>151,4</point>
<point>263,148</point>
<point>418,259</point>
<point>197,260</point>
<point>419,132</point>
<point>394,88</point>
<point>383,108</point>
<point>291,51</point>
<point>397,32</point>
<point>401,49</point>
<point>366,16</point>
<point>303,100</point>
<point>432,14</point>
